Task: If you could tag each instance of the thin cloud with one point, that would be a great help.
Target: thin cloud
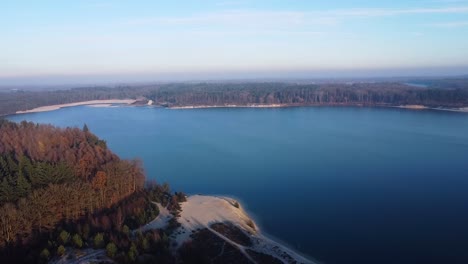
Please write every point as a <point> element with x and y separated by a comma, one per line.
<point>380,12</point>
<point>230,3</point>
<point>254,18</point>
<point>448,1</point>
<point>288,19</point>
<point>455,24</point>
<point>211,33</point>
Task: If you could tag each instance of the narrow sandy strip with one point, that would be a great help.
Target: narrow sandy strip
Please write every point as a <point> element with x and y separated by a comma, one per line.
<point>228,106</point>
<point>423,107</point>
<point>93,102</point>
<point>160,222</point>
<point>413,106</point>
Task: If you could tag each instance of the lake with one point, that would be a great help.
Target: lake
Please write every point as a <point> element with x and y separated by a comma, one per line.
<point>339,184</point>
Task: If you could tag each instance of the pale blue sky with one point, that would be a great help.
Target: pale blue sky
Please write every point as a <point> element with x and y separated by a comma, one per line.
<point>42,39</point>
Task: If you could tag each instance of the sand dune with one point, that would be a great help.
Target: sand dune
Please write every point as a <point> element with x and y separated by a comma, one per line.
<point>201,211</point>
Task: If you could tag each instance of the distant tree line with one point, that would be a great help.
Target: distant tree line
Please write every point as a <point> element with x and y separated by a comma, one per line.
<point>368,94</point>
<point>439,93</point>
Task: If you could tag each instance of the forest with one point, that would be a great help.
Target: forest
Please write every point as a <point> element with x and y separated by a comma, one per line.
<point>450,93</point>
<point>63,188</point>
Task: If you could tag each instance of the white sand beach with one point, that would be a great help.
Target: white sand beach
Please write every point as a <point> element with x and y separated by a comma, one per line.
<point>93,102</point>
<point>416,107</point>
<point>201,211</point>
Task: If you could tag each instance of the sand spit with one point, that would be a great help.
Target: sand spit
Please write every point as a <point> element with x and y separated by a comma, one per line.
<point>93,102</point>
<point>201,211</point>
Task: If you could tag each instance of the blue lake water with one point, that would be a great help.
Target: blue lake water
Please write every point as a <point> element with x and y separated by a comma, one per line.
<point>340,184</point>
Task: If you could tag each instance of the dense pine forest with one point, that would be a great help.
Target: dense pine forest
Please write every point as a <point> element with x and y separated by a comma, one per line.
<point>438,93</point>
<point>63,188</point>
<point>367,94</point>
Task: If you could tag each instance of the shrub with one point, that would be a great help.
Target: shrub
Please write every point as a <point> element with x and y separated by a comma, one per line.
<point>111,250</point>
<point>126,230</point>
<point>99,240</point>
<point>61,250</point>
<point>132,253</point>
<point>45,254</point>
<point>145,245</point>
<point>64,237</point>
<point>77,241</point>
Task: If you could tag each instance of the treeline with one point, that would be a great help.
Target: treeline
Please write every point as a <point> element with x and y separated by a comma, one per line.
<point>442,83</point>
<point>49,175</point>
<point>439,93</point>
<point>380,94</point>
<point>10,102</point>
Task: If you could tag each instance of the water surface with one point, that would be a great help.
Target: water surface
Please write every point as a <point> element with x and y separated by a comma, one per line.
<point>343,185</point>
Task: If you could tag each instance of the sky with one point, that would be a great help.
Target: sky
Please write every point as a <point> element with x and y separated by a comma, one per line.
<point>97,40</point>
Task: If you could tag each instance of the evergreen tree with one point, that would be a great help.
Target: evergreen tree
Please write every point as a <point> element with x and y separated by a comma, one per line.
<point>6,191</point>
<point>25,167</point>
<point>40,176</point>
<point>22,186</point>
<point>4,170</point>
<point>12,166</point>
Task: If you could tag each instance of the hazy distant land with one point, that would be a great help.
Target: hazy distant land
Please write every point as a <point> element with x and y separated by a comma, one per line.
<point>439,94</point>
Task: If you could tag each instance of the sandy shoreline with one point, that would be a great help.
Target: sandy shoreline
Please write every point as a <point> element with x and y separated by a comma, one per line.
<point>413,106</point>
<point>200,211</point>
<point>410,107</point>
<point>423,107</point>
<point>109,103</point>
<point>93,102</point>
<point>229,106</point>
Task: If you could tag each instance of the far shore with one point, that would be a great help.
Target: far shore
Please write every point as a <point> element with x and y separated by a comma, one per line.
<point>229,106</point>
<point>92,102</point>
<point>411,107</point>
<point>423,107</point>
<point>108,103</point>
